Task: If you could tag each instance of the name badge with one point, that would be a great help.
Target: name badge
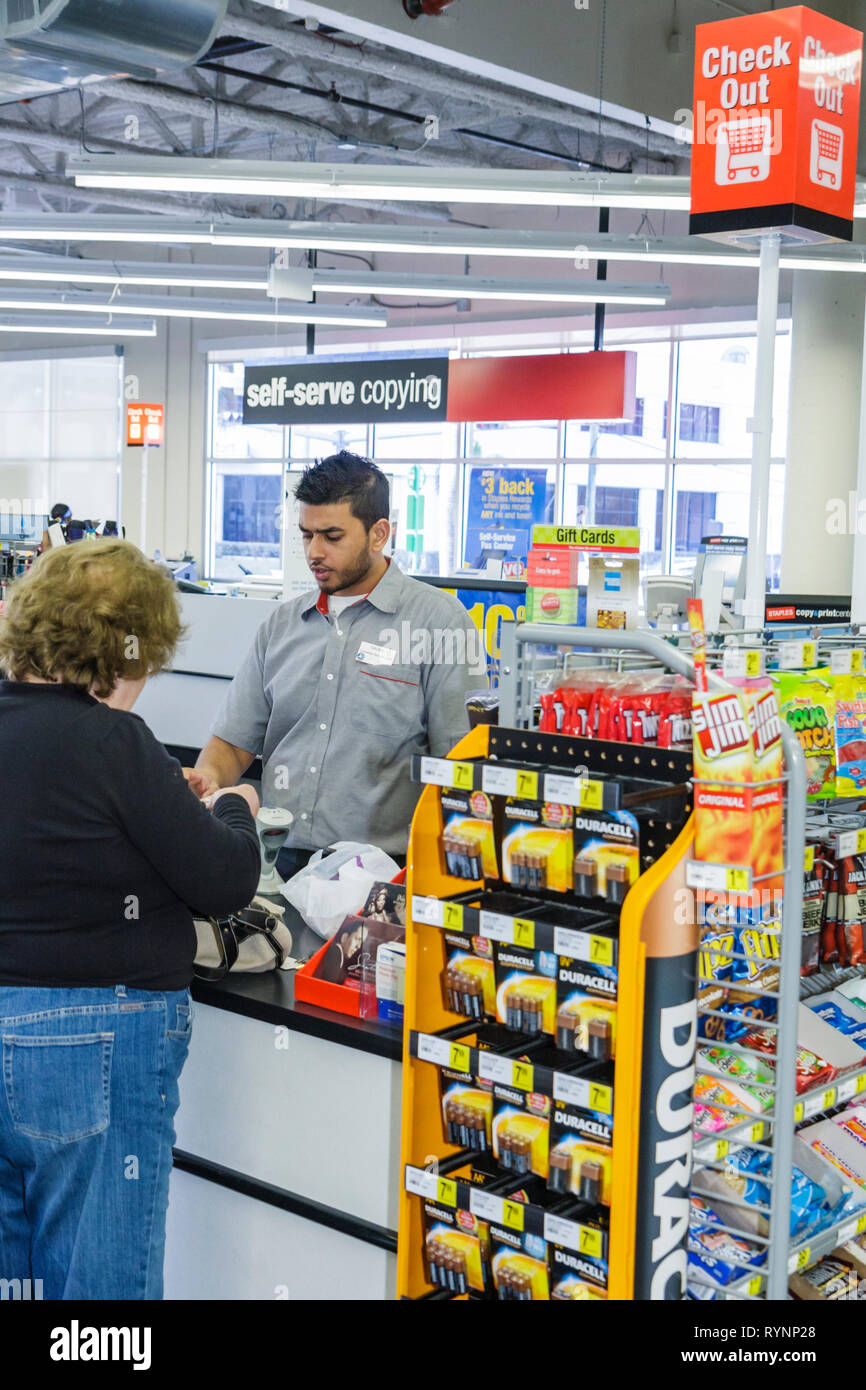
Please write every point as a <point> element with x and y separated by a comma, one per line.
<point>372,655</point>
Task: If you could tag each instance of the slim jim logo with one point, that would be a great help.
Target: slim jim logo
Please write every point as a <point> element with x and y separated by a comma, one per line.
<point>720,726</point>
<point>767,728</point>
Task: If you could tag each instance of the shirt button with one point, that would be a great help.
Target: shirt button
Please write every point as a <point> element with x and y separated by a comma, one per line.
<point>330,678</point>
<point>323,727</point>
<point>303,815</point>
<point>312,769</point>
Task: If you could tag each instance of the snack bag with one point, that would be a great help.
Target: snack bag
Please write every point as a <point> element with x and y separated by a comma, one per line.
<point>807,703</point>
<point>850,703</point>
<point>814,897</point>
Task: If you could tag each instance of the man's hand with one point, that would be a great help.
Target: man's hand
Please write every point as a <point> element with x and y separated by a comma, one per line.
<point>202,783</point>
<point>249,794</point>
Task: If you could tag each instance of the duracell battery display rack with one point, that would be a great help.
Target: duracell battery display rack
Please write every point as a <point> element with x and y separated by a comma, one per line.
<point>552,1017</point>
<point>520,1015</point>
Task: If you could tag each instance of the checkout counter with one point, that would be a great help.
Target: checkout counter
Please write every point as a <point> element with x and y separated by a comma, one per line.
<point>286,1171</point>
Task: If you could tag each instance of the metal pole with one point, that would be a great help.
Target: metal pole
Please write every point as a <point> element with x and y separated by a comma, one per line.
<point>761,426</point>
<point>786,1018</point>
<point>142,530</point>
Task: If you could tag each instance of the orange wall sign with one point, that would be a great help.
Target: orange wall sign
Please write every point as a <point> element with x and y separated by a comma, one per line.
<point>145,424</point>
<point>777,109</point>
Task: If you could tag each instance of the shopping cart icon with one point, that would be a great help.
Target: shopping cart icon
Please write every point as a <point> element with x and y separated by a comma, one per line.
<point>825,155</point>
<point>743,150</point>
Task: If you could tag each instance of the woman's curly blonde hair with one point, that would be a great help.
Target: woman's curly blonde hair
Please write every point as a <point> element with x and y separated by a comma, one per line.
<point>88,615</point>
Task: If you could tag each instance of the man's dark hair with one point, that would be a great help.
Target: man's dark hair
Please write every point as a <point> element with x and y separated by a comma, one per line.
<point>346,477</point>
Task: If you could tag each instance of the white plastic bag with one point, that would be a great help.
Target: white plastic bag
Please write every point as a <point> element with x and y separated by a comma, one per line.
<point>336,884</point>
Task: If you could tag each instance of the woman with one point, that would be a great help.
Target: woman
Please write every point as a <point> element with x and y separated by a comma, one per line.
<point>104,851</point>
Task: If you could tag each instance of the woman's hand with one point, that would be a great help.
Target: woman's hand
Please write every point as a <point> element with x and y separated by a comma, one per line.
<point>200,782</point>
<point>249,794</point>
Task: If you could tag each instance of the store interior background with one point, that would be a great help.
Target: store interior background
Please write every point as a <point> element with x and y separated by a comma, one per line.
<point>214,489</point>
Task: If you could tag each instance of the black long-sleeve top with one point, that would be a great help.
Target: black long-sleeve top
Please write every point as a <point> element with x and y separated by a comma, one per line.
<point>104,850</point>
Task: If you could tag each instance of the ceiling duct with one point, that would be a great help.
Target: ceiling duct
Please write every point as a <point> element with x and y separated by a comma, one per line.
<point>47,45</point>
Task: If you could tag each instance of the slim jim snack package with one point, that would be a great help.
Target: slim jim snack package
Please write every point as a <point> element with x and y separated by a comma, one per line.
<point>738,794</point>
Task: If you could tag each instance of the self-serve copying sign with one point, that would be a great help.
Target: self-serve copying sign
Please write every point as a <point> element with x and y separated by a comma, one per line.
<point>776,117</point>
<point>333,393</point>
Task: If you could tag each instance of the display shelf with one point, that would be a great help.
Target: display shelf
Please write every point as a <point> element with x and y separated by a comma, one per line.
<point>460,1195</point>
<point>586,1092</point>
<point>458,914</point>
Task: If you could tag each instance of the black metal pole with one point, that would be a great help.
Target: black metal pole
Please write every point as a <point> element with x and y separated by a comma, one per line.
<point>312,258</point>
<point>603,226</point>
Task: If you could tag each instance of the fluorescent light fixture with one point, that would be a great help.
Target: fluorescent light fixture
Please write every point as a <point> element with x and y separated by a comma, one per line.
<point>48,323</point>
<point>476,287</point>
<point>181,308</point>
<point>77,271</point>
<point>388,182</point>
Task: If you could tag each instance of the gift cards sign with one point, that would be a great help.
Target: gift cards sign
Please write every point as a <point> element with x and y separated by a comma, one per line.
<point>777,107</point>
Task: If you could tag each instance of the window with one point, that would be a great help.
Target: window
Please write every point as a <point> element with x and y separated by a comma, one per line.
<point>699,424</point>
<point>632,427</point>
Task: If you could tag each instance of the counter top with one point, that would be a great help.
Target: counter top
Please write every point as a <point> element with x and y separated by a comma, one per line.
<point>270,997</point>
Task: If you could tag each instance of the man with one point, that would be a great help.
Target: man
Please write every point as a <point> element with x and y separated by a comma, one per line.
<point>343,684</point>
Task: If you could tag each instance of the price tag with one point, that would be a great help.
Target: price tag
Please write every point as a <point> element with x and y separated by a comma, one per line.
<point>798,1112</point>
<point>809,859</point>
<point>512,1215</point>
<point>756,1133</point>
<point>571,943</point>
<point>464,776</point>
<point>559,1231</point>
<point>601,1097</point>
<point>601,950</point>
<point>587,1095</point>
<point>592,796</point>
<point>829,1099</point>
<point>566,790</point>
<point>485,1205</point>
<point>733,878</point>
<point>494,1068</point>
<point>496,927</point>
<point>850,842</point>
<point>754,1286</point>
<point>590,1242</point>
<point>452,916</point>
<point>460,1056</point>
<point>438,772</point>
<point>522,1075</point>
<point>847,1232</point>
<point>420,1182</point>
<point>723,1148</point>
<point>846,662</point>
<point>446,1192</point>
<point>796,656</point>
<point>846,1089</point>
<point>861,1085</point>
<point>499,781</point>
<point>524,932</point>
<point>527,784</point>
<point>812,1104</point>
<point>427,910</point>
<point>435,1050</point>
<point>742,661</point>
<point>861,1224</point>
<point>799,1260</point>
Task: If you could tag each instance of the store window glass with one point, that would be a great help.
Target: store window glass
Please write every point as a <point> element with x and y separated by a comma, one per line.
<point>619,494</point>
<point>715,390</point>
<point>425,515</point>
<point>715,501</point>
<point>245,511</point>
<point>317,441</point>
<point>416,441</point>
<point>643,436</point>
<point>512,439</point>
<point>231,438</point>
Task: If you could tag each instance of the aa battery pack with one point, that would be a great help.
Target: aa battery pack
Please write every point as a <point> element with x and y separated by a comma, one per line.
<point>468,977</point>
<point>457,1250</point>
<point>519,1265</point>
<point>526,989</point>
<point>537,844</point>
<point>468,842</point>
<point>521,1130</point>
<point>467,1110</point>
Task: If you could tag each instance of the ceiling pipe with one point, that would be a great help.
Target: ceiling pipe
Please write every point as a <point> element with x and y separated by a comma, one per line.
<point>422,77</point>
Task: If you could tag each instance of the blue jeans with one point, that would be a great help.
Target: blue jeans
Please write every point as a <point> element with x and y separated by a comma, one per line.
<point>87,1102</point>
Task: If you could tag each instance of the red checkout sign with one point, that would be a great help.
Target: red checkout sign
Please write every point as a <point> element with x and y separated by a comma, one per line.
<point>145,424</point>
<point>776,117</point>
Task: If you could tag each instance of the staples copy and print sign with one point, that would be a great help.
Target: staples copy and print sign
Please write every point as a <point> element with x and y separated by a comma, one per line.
<point>566,386</point>
<point>777,107</point>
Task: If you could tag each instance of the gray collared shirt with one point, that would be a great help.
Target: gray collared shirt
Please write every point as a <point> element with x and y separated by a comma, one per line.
<point>335,732</point>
